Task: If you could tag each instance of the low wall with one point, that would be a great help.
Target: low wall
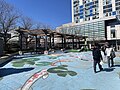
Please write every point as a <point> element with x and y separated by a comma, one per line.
<point>5,59</point>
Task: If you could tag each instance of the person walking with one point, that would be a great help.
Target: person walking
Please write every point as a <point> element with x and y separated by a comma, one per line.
<point>97,57</point>
<point>104,47</point>
<point>103,51</point>
<point>110,53</point>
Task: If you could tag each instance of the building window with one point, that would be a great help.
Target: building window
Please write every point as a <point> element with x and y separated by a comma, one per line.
<point>112,26</point>
<point>106,14</point>
<point>114,13</point>
<point>81,7</point>
<point>88,18</point>
<point>113,33</point>
<point>110,14</point>
<point>81,17</point>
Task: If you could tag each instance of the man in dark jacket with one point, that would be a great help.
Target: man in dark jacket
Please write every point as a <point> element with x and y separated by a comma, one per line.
<point>97,57</point>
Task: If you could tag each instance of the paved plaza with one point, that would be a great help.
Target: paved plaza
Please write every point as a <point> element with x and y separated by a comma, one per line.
<point>59,71</point>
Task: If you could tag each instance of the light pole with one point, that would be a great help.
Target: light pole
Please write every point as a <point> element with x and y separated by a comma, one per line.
<point>116,39</point>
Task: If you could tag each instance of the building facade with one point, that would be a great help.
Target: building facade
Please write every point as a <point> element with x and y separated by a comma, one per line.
<point>99,20</point>
<point>86,10</point>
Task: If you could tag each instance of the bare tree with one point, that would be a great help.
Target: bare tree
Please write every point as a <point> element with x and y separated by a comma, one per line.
<point>40,25</point>
<point>8,18</point>
<point>46,26</point>
<point>26,23</point>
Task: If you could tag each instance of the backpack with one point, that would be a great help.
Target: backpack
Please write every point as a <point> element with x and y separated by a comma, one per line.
<point>112,54</point>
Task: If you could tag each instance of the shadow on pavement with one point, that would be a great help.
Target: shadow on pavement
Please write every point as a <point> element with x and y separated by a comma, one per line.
<point>9,71</point>
<point>117,65</point>
<point>108,69</point>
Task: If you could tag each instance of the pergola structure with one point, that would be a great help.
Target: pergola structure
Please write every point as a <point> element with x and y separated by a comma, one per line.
<point>50,38</point>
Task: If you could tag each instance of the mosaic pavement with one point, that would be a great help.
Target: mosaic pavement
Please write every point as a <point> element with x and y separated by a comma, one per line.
<point>59,71</point>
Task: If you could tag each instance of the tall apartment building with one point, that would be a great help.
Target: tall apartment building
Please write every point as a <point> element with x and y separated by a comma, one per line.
<point>86,10</point>
<point>99,20</point>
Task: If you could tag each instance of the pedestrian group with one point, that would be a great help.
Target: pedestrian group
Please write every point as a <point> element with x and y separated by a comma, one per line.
<point>109,53</point>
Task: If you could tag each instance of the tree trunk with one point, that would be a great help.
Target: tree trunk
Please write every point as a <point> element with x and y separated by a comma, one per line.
<point>5,43</point>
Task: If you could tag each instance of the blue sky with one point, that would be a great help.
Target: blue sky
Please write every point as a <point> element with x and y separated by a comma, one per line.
<point>52,12</point>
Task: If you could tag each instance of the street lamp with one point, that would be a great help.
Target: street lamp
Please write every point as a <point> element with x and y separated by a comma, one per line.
<point>116,39</point>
